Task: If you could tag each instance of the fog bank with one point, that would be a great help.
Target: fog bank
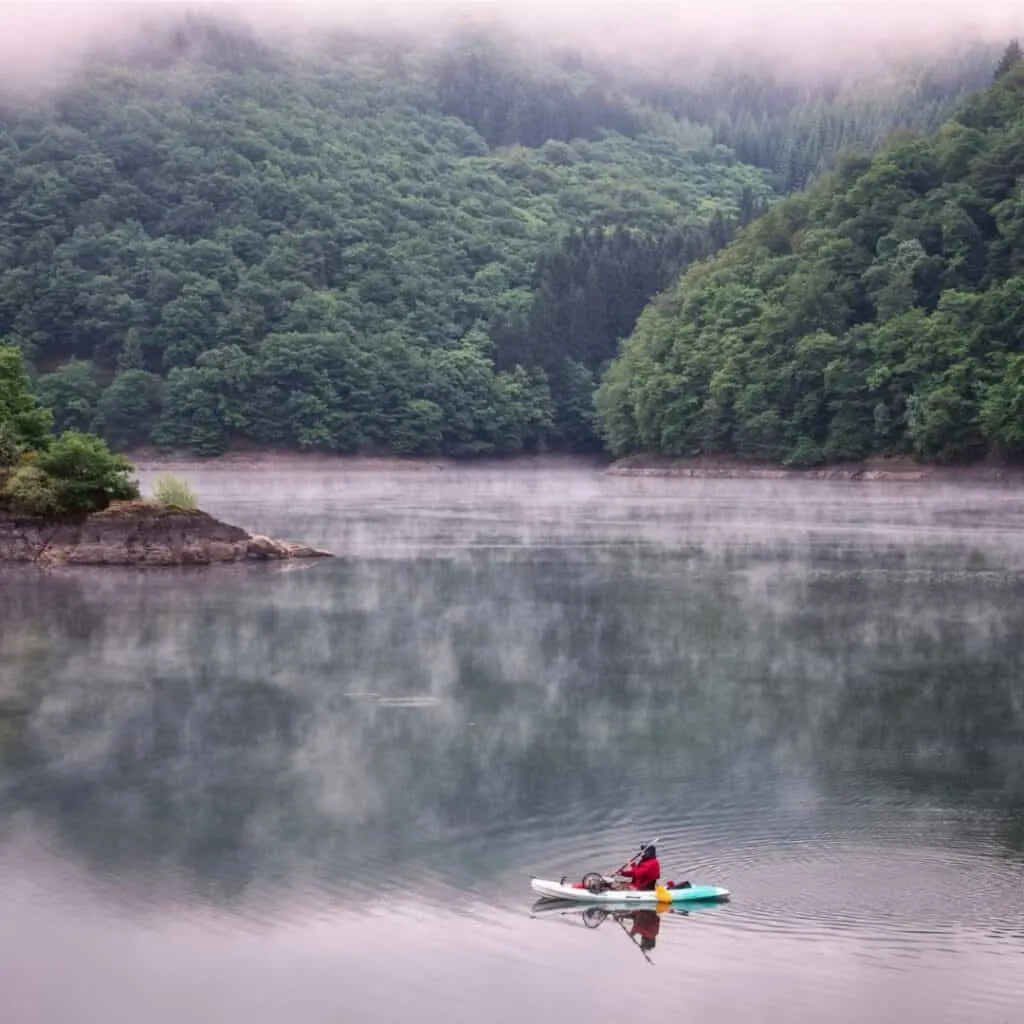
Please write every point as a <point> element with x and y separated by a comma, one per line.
<point>41,43</point>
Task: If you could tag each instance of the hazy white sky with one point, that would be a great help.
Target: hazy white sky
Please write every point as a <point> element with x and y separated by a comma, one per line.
<point>40,40</point>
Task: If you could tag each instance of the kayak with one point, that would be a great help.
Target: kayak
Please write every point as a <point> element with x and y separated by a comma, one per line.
<point>627,897</point>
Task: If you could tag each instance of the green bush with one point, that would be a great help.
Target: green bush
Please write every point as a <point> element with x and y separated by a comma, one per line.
<point>87,475</point>
<point>30,491</point>
<point>174,492</point>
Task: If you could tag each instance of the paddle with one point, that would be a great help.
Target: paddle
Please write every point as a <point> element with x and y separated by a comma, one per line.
<point>629,863</point>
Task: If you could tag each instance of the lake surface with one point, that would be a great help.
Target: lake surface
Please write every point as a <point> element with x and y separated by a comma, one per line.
<point>317,791</point>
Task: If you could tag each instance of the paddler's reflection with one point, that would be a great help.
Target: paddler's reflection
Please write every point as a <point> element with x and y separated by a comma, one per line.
<point>646,924</point>
<point>642,926</point>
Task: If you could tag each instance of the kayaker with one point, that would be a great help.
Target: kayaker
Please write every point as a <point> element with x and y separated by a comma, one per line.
<point>646,874</point>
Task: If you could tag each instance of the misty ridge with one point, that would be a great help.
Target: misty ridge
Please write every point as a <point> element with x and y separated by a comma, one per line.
<point>814,41</point>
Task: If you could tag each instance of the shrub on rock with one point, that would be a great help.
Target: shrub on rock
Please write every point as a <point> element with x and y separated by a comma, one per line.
<point>88,476</point>
<point>73,474</point>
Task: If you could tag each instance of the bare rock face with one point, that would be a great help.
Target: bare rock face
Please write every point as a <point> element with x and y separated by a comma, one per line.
<point>139,533</point>
<point>267,547</point>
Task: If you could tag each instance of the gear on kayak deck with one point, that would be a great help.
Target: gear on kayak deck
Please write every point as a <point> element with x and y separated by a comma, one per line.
<point>593,882</point>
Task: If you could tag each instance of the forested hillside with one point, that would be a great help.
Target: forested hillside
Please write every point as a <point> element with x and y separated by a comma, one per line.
<point>882,312</point>
<point>209,241</point>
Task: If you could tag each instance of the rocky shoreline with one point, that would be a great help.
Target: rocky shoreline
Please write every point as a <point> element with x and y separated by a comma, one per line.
<point>894,469</point>
<point>881,469</point>
<point>140,533</point>
<point>148,461</point>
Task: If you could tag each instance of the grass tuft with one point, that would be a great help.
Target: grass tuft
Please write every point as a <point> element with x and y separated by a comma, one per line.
<point>174,492</point>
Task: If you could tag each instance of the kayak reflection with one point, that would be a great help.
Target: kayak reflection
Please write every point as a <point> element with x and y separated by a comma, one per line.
<point>641,925</point>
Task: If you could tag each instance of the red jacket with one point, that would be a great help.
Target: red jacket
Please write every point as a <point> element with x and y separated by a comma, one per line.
<point>645,875</point>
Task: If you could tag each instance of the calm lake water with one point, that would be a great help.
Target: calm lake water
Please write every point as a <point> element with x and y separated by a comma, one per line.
<point>317,791</point>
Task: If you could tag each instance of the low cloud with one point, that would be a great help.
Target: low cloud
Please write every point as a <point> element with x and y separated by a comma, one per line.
<point>42,43</point>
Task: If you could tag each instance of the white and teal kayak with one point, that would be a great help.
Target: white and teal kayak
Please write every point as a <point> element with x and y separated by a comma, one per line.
<point>627,897</point>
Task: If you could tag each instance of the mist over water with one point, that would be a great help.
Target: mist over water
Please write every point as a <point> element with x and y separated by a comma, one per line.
<point>275,790</point>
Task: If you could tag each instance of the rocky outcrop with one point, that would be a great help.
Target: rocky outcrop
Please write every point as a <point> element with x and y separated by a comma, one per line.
<point>139,533</point>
